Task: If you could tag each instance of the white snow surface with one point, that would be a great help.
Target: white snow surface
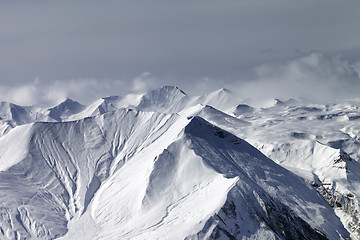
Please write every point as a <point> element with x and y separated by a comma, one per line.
<point>164,165</point>
<point>14,146</point>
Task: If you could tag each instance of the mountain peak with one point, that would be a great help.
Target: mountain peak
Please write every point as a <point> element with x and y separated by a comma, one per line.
<point>13,113</point>
<point>65,109</point>
<point>111,98</point>
<point>167,99</point>
<point>221,99</point>
<point>243,109</point>
<point>278,102</point>
<point>225,90</point>
<point>67,102</point>
<point>168,88</point>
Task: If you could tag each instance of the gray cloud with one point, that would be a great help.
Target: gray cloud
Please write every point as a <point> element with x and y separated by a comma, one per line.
<point>50,93</point>
<point>312,76</point>
<point>215,43</point>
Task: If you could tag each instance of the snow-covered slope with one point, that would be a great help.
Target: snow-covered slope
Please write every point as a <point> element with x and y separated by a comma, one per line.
<point>64,165</point>
<point>171,166</point>
<point>319,143</point>
<point>166,99</point>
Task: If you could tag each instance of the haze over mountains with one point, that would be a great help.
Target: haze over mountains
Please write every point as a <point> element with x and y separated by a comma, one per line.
<point>165,165</point>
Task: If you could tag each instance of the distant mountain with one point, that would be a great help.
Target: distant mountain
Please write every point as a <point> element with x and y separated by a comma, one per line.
<point>65,109</point>
<point>222,99</point>
<point>165,165</point>
<point>167,99</point>
<point>243,109</point>
<point>13,113</point>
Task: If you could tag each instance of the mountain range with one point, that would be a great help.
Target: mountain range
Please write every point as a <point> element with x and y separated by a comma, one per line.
<point>166,165</point>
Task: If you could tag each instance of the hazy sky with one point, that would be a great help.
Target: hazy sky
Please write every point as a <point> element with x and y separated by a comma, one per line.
<point>84,49</point>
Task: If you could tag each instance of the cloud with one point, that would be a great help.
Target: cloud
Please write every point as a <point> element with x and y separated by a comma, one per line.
<point>145,82</point>
<point>52,92</point>
<point>171,39</point>
<point>356,67</point>
<point>312,76</point>
<point>22,95</point>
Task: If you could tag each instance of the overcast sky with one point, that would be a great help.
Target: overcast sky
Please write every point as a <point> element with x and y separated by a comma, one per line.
<point>84,49</point>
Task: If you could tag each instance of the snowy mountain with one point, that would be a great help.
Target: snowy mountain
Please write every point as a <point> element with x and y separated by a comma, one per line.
<point>166,99</point>
<point>242,109</point>
<point>165,165</point>
<point>65,109</point>
<point>222,99</point>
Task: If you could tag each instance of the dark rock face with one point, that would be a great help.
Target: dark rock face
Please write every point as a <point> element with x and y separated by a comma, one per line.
<point>277,221</point>
<point>344,202</point>
<point>274,216</point>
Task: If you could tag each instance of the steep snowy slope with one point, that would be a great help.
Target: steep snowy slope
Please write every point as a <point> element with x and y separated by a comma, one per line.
<point>213,185</point>
<point>14,146</point>
<point>65,165</point>
<point>167,99</point>
<point>261,197</point>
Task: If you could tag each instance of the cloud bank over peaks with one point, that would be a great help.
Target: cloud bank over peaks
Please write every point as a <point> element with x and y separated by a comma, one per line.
<point>144,82</point>
<point>312,76</point>
<point>48,93</point>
